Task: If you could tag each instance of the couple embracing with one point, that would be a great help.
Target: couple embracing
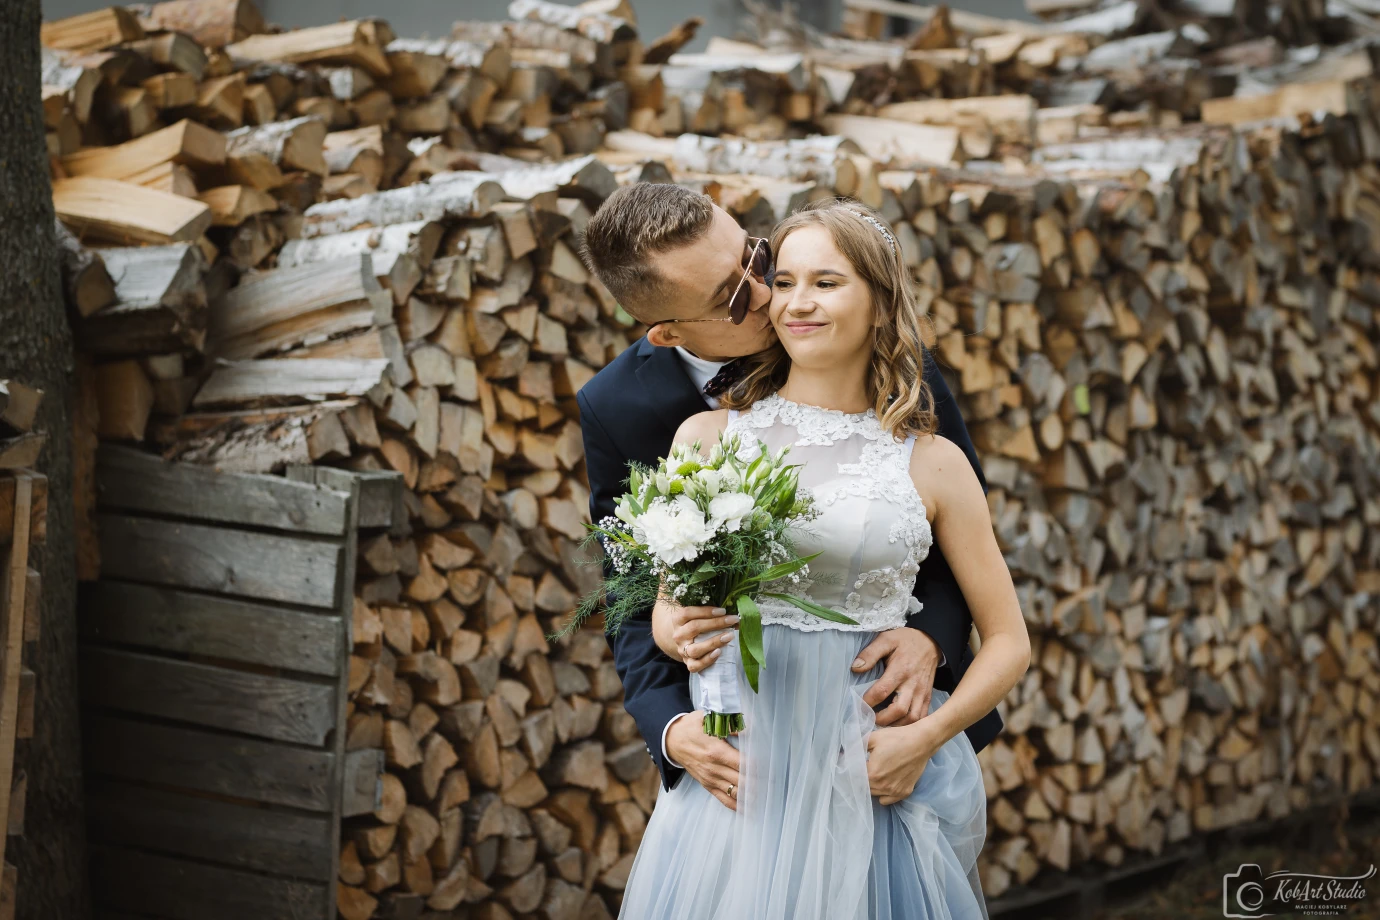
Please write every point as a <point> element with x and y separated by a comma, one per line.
<point>854,793</point>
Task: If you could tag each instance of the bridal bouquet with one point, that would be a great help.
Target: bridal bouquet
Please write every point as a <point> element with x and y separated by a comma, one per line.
<point>712,531</point>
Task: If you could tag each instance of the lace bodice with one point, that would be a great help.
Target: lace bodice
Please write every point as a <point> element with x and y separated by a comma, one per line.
<point>872,528</point>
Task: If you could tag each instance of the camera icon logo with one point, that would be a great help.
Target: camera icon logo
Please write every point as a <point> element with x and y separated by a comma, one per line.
<point>1243,893</point>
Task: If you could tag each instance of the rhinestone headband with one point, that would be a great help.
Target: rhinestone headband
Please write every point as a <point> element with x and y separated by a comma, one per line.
<point>881,228</point>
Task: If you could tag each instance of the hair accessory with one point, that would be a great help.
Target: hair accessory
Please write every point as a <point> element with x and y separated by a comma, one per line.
<point>881,227</point>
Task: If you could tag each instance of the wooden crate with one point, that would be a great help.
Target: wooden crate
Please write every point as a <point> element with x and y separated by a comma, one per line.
<point>214,662</point>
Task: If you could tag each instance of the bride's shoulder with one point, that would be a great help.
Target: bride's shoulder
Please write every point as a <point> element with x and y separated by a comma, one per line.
<point>704,427</point>
<point>934,455</point>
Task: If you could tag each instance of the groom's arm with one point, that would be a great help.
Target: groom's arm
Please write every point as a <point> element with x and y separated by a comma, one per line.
<point>945,617</point>
<point>656,687</point>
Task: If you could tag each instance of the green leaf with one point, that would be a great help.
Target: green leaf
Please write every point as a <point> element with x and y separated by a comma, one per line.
<point>750,639</point>
<point>784,569</point>
<point>823,613</point>
<point>701,575</point>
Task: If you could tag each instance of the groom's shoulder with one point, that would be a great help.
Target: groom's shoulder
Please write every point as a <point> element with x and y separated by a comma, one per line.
<point>613,384</point>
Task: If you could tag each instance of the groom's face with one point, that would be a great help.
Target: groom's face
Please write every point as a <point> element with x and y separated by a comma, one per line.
<point>701,278</point>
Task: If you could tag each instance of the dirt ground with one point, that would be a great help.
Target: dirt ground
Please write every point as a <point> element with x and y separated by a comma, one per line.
<point>1195,893</point>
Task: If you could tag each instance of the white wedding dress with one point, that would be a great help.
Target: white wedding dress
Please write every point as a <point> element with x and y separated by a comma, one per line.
<point>808,841</point>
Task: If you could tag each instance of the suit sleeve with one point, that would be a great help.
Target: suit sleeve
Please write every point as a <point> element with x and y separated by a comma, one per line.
<point>655,686</point>
<point>945,617</point>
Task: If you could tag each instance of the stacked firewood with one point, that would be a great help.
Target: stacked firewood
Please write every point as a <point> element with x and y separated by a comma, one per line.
<point>336,246</point>
<point>23,529</point>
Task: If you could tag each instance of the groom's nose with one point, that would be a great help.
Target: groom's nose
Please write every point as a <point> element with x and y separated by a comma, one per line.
<point>761,293</point>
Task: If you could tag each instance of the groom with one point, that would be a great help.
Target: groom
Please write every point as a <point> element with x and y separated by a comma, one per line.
<point>682,265</point>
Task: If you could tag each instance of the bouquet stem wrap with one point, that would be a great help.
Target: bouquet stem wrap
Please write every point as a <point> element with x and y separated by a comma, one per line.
<point>718,692</point>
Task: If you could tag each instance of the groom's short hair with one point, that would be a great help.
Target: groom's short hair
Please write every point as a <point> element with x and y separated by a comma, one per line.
<point>635,223</point>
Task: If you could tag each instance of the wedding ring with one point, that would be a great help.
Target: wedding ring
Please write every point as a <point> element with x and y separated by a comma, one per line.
<point>732,791</point>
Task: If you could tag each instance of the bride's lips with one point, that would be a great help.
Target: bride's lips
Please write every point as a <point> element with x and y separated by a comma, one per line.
<point>803,328</point>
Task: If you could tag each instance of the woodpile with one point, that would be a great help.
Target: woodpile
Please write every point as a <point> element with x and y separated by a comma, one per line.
<point>1149,262</point>
<point>23,516</point>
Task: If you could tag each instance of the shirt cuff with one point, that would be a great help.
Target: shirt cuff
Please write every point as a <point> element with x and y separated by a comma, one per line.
<point>666,755</point>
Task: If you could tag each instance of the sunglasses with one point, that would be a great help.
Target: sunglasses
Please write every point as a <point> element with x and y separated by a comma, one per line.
<point>759,264</point>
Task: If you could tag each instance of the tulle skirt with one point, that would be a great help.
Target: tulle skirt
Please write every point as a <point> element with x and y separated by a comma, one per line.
<point>808,841</point>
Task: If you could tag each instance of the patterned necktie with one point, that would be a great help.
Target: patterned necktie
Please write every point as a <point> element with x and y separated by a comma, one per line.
<point>727,376</point>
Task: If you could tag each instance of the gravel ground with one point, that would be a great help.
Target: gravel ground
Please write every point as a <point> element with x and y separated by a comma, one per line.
<point>1195,893</point>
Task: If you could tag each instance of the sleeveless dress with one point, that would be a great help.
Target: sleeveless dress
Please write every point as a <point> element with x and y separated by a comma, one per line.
<point>808,841</point>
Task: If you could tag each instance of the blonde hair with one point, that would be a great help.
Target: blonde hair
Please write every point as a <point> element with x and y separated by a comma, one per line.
<point>896,378</point>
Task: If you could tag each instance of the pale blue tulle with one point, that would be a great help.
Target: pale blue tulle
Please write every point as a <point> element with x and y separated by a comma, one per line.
<point>808,841</point>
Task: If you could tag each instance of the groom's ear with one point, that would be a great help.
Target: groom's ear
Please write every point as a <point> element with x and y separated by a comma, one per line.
<point>663,336</point>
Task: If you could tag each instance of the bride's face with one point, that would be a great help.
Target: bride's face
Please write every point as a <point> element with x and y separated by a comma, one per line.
<point>820,307</point>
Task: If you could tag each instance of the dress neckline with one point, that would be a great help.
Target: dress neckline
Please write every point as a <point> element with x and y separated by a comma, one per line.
<point>838,413</point>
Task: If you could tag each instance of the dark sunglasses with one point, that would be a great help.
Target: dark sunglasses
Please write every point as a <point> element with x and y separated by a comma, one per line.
<point>759,264</point>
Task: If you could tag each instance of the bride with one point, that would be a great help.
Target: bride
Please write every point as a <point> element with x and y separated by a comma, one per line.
<point>837,819</point>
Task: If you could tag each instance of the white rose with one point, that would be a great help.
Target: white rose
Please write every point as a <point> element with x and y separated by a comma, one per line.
<point>674,531</point>
<point>729,509</point>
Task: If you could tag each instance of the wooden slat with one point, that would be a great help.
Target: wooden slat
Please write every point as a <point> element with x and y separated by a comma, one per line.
<point>16,582</point>
<point>380,491</point>
<point>266,566</point>
<point>143,884</point>
<point>241,836</point>
<point>38,513</point>
<point>277,774</point>
<point>136,481</point>
<point>238,701</point>
<point>216,627</point>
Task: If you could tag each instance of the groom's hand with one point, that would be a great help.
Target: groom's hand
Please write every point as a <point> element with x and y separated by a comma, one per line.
<point>912,658</point>
<point>713,762</point>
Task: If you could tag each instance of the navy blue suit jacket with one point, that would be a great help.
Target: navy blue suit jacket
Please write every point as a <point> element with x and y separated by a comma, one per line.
<point>630,411</point>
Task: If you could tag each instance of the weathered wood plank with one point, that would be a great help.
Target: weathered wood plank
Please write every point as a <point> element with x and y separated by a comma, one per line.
<point>136,481</point>
<point>242,836</point>
<point>38,512</point>
<point>380,491</point>
<point>214,627</point>
<point>290,569</point>
<point>16,582</point>
<point>253,704</point>
<point>277,774</point>
<point>180,890</point>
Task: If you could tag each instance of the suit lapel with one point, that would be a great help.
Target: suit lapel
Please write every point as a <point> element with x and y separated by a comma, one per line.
<point>666,385</point>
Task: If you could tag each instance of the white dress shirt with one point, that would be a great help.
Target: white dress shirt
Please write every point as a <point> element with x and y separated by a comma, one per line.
<point>700,373</point>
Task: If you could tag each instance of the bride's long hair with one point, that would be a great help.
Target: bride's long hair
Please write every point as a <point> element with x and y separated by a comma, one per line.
<point>895,380</point>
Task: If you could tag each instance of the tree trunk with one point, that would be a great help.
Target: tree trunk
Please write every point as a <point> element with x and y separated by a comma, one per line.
<point>36,348</point>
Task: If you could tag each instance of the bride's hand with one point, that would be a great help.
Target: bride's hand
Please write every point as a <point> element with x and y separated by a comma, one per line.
<point>677,630</point>
<point>896,759</point>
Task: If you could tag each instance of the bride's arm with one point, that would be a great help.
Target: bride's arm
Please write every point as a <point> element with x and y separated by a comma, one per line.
<point>962,528</point>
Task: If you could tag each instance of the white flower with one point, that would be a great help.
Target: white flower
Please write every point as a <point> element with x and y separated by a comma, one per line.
<point>729,478</point>
<point>729,509</point>
<point>674,531</point>
<point>710,480</point>
<point>624,511</point>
